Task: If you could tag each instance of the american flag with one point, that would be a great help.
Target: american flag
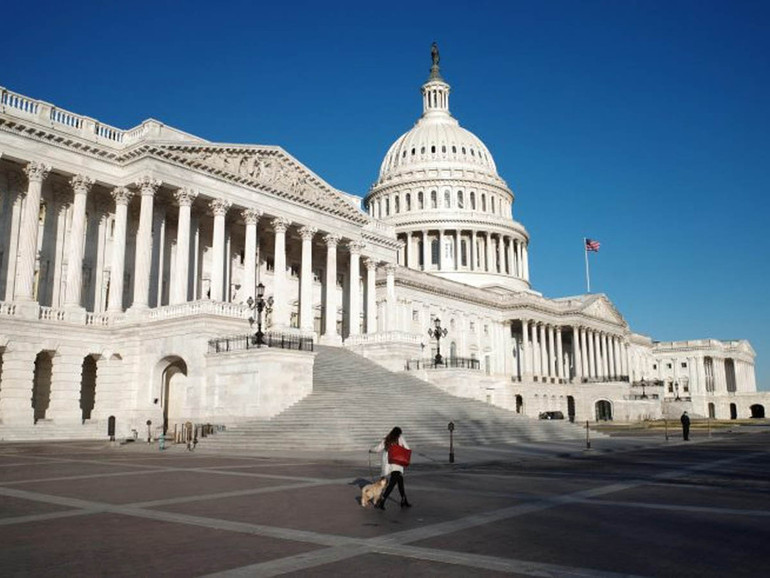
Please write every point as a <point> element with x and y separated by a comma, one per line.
<point>592,245</point>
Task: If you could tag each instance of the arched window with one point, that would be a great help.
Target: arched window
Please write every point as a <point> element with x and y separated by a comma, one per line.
<point>463,149</point>
<point>492,204</point>
<point>460,203</point>
<point>387,206</point>
<point>433,148</point>
<point>473,201</point>
<point>408,202</point>
<point>412,151</point>
<point>447,199</point>
<point>443,148</point>
<point>422,150</point>
<point>483,202</point>
<point>420,201</point>
<point>433,200</point>
<point>454,149</point>
<point>396,204</point>
<point>434,251</point>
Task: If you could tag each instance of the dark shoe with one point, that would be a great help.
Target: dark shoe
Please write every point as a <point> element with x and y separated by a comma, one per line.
<point>405,503</point>
<point>380,505</point>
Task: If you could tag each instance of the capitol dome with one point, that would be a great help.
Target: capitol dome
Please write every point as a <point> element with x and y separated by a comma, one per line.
<point>438,186</point>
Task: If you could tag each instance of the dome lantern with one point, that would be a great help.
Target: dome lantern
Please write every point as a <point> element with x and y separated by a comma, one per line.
<point>435,92</point>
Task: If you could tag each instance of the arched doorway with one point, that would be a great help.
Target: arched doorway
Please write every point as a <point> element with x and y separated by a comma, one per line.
<point>712,411</point>
<point>41,385</point>
<point>603,410</point>
<point>733,411</point>
<point>757,411</point>
<point>172,376</point>
<point>519,404</point>
<point>88,387</point>
<point>453,351</point>
<point>571,408</point>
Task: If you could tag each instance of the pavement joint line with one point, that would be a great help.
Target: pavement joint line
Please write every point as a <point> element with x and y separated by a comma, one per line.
<point>221,495</point>
<point>43,517</point>
<point>674,507</point>
<point>510,565</point>
<point>81,477</point>
<point>295,563</point>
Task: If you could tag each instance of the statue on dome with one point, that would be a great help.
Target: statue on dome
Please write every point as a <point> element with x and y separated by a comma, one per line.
<point>434,55</point>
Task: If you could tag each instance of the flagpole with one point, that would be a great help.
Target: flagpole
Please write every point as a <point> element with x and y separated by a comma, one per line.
<point>588,277</point>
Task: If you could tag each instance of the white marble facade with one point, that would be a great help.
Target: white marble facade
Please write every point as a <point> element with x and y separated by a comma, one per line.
<point>123,252</point>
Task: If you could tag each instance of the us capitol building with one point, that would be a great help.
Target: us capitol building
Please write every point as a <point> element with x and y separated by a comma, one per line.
<point>130,262</point>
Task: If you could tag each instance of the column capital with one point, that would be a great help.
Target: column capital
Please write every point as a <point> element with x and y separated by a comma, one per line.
<point>280,224</point>
<point>251,215</point>
<point>370,264</point>
<point>185,196</point>
<point>331,240</point>
<point>307,232</point>
<point>81,184</point>
<point>36,172</point>
<point>355,247</point>
<point>147,185</point>
<point>219,207</point>
<point>558,328</point>
<point>390,268</point>
<point>122,195</point>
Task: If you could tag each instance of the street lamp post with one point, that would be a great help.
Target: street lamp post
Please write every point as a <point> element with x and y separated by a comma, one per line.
<point>437,332</point>
<point>260,304</point>
<point>644,392</point>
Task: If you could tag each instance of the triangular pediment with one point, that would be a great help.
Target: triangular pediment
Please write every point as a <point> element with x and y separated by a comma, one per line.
<point>602,308</point>
<point>269,169</point>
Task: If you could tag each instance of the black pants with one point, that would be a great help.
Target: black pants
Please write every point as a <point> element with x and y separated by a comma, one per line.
<point>395,478</point>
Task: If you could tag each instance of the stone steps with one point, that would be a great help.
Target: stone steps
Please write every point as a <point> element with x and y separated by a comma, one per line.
<point>355,402</point>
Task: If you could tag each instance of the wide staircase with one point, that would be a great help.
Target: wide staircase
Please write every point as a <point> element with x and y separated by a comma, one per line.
<point>355,402</point>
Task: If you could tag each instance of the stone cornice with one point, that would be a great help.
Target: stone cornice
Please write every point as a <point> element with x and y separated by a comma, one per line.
<point>426,184</point>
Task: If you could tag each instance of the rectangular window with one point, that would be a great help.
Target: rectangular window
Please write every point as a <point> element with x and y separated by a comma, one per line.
<point>684,364</point>
<point>415,315</point>
<point>668,366</point>
<point>655,366</point>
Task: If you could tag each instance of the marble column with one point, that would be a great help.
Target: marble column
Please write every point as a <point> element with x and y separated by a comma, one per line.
<point>330,305</point>
<point>559,354</point>
<point>122,197</point>
<point>458,247</point>
<point>551,353</point>
<point>490,268</point>
<point>577,356</point>
<point>390,285</point>
<point>280,289</point>
<point>180,282</point>
<point>519,260</point>
<point>426,252</point>
<point>371,296</point>
<point>441,263</point>
<point>526,364</point>
<point>27,253</point>
<point>219,208</point>
<point>306,279</point>
<point>606,355</point>
<point>474,251</point>
<point>14,189</point>
<point>80,187</point>
<point>525,253</point>
<point>354,292</point>
<point>147,187</point>
<point>409,261</point>
<point>591,353</point>
<point>500,265</point>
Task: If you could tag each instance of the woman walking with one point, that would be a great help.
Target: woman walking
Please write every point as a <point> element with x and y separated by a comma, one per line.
<point>395,471</point>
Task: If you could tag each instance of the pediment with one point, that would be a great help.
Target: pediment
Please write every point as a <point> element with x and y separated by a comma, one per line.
<point>602,309</point>
<point>270,169</point>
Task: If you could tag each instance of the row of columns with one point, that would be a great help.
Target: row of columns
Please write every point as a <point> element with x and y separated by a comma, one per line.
<point>595,354</point>
<point>485,252</point>
<point>397,203</point>
<point>23,289</point>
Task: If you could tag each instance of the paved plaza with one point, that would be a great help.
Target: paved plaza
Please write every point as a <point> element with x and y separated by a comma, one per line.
<point>636,506</point>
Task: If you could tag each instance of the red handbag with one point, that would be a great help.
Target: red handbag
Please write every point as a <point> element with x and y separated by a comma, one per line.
<point>399,455</point>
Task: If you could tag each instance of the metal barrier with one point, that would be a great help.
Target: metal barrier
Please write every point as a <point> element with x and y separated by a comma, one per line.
<point>446,363</point>
<point>250,341</point>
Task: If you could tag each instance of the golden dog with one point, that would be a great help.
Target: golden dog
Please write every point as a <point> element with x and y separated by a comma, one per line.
<point>372,492</point>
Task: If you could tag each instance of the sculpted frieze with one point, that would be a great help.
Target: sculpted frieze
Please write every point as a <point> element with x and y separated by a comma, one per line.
<point>270,169</point>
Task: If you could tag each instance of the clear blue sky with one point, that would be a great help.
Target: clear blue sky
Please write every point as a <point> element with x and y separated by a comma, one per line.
<point>642,124</point>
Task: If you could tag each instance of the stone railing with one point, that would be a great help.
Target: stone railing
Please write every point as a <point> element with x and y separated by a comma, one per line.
<point>51,314</point>
<point>7,309</point>
<point>102,319</point>
<point>446,363</point>
<point>203,306</point>
<point>18,105</point>
<point>269,340</point>
<point>383,337</point>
